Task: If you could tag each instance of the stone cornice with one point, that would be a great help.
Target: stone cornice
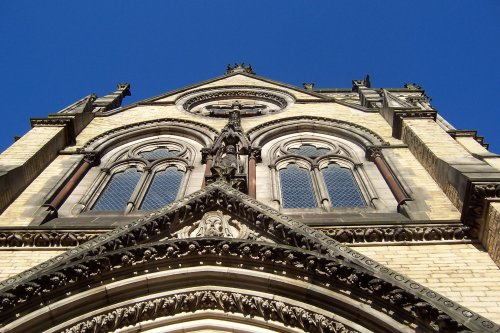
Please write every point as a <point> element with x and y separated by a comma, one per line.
<point>400,115</point>
<point>468,133</point>
<point>63,121</point>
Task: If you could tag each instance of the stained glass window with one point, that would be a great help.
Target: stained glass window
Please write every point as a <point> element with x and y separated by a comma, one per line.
<point>296,187</point>
<point>309,151</point>
<point>118,191</point>
<point>158,153</point>
<point>163,189</point>
<point>342,187</point>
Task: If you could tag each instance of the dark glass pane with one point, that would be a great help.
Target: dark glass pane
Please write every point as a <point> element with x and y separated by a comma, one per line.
<point>158,153</point>
<point>163,189</point>
<point>309,151</point>
<point>118,191</point>
<point>342,187</point>
<point>296,187</point>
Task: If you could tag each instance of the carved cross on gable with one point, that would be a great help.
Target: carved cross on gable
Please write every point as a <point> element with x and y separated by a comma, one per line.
<point>246,109</point>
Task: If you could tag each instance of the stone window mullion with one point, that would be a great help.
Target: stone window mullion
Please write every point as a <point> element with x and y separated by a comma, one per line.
<point>320,188</point>
<point>136,197</point>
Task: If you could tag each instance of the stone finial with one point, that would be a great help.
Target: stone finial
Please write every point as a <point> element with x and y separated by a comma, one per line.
<point>413,86</point>
<point>239,68</point>
<point>308,86</point>
<point>366,82</point>
<point>113,100</point>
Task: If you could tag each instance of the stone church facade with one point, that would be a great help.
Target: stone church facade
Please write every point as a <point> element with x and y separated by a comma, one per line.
<point>243,204</point>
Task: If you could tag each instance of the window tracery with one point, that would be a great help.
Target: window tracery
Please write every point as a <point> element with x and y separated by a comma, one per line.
<point>118,190</point>
<point>296,187</point>
<point>314,172</point>
<point>144,176</point>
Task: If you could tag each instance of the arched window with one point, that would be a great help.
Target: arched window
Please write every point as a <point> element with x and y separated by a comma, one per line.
<point>342,187</point>
<point>296,187</point>
<point>117,192</point>
<point>318,174</point>
<point>163,189</point>
<point>144,176</point>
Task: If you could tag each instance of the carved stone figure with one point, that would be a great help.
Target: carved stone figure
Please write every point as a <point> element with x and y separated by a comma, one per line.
<point>216,224</point>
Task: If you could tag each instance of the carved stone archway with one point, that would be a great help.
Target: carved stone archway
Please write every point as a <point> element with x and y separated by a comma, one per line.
<point>262,134</point>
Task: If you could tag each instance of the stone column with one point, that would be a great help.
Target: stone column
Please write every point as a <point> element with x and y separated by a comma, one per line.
<point>208,166</point>
<point>252,175</point>
<point>322,190</point>
<point>89,160</point>
<point>374,154</point>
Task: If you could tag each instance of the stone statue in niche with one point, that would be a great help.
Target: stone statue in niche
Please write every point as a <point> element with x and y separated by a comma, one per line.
<point>227,164</point>
<point>216,224</point>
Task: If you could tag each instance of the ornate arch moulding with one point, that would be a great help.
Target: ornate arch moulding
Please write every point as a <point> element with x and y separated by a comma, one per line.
<point>304,249</point>
<point>245,292</point>
<point>261,134</point>
<point>199,132</point>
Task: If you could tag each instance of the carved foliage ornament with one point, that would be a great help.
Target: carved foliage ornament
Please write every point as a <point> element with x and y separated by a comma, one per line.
<point>247,305</point>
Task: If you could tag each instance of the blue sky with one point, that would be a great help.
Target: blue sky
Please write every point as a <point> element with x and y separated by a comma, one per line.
<point>55,52</point>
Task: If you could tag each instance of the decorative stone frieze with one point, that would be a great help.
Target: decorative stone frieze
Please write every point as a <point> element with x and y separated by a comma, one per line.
<point>397,234</point>
<point>45,238</point>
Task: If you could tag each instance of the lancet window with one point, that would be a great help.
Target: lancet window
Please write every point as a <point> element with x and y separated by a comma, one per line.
<point>318,173</point>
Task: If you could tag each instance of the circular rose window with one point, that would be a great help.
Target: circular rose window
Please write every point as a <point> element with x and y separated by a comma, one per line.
<point>219,102</point>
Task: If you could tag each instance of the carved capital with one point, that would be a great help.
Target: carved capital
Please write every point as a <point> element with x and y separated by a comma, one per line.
<point>255,152</point>
<point>372,152</point>
<point>92,158</point>
<point>206,154</point>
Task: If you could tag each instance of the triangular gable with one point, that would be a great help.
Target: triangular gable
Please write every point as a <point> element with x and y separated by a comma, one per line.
<point>243,79</point>
<point>391,101</point>
<point>284,230</point>
<point>234,79</point>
